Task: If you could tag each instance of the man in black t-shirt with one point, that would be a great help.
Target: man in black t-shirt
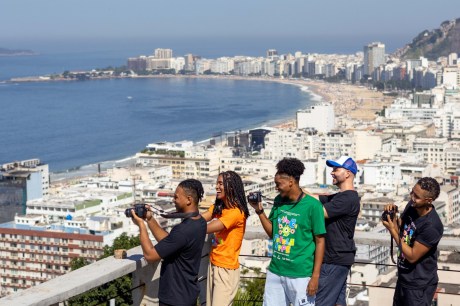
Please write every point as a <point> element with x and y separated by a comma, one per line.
<point>341,212</point>
<point>180,249</point>
<point>417,234</point>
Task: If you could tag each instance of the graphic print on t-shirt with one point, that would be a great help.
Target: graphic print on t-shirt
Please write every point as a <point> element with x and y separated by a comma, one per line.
<point>407,238</point>
<point>284,240</point>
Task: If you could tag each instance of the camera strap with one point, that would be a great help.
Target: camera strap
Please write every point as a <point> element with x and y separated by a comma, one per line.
<point>173,215</point>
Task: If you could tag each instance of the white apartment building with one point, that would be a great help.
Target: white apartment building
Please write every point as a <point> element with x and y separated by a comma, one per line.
<point>451,77</point>
<point>453,205</point>
<point>367,144</point>
<point>77,202</point>
<point>163,53</point>
<point>223,65</point>
<point>280,143</point>
<point>335,144</point>
<point>185,159</point>
<point>432,149</point>
<point>249,166</point>
<point>403,108</point>
<point>384,176</point>
<point>319,116</point>
<point>447,121</point>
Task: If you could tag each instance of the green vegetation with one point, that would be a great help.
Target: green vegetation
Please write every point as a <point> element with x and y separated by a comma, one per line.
<point>124,196</point>
<point>118,289</point>
<point>251,292</point>
<point>87,204</point>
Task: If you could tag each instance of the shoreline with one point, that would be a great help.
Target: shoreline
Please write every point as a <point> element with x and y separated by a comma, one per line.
<point>346,98</point>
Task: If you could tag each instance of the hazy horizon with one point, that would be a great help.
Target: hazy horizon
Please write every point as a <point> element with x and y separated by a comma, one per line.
<point>315,26</point>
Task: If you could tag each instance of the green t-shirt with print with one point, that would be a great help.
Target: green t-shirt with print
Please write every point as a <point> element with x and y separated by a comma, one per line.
<point>294,229</point>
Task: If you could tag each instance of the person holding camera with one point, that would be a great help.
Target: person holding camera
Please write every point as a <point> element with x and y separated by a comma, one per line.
<point>417,234</point>
<point>180,249</point>
<point>341,212</point>
<point>296,225</point>
<point>228,222</point>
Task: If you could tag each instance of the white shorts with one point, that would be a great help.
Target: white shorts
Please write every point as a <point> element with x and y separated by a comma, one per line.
<point>283,290</point>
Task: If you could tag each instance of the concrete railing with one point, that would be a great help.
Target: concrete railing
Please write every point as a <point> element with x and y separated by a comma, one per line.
<point>145,275</point>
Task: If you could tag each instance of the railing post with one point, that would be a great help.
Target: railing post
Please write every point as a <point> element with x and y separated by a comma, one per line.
<point>203,273</point>
<point>146,281</point>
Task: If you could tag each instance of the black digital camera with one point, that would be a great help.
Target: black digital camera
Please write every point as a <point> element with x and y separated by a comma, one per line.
<point>255,197</point>
<point>140,210</point>
<point>391,213</point>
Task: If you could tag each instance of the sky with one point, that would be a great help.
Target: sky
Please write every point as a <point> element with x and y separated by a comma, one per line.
<point>65,23</point>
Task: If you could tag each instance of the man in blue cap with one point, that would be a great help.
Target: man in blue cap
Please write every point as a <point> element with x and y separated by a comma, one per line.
<point>341,211</point>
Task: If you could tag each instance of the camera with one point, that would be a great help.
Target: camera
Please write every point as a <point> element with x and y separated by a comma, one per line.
<point>391,213</point>
<point>139,209</point>
<point>255,197</point>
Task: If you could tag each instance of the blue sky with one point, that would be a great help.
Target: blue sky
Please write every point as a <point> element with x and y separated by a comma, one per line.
<point>31,21</point>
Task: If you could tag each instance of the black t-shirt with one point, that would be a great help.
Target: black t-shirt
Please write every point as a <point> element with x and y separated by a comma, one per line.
<point>342,209</point>
<point>427,230</point>
<point>181,254</point>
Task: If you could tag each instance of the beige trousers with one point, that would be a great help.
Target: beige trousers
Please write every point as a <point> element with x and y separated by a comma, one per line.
<point>222,285</point>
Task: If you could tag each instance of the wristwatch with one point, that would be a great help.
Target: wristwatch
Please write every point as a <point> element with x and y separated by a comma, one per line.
<point>259,212</point>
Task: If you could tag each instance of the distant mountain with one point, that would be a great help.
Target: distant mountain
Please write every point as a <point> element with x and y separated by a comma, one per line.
<point>435,43</point>
<point>9,52</point>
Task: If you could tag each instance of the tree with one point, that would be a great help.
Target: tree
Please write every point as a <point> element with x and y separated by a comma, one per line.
<point>251,292</point>
<point>119,289</point>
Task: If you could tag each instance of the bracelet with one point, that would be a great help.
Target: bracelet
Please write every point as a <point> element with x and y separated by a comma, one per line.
<point>259,212</point>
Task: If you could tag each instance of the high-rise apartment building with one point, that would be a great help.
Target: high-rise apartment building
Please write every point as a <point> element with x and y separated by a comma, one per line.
<point>20,182</point>
<point>32,252</point>
<point>374,56</point>
<point>272,53</point>
<point>163,53</point>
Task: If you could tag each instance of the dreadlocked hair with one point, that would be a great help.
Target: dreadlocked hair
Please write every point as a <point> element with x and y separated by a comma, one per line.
<point>194,188</point>
<point>234,193</point>
<point>290,166</point>
<point>431,185</point>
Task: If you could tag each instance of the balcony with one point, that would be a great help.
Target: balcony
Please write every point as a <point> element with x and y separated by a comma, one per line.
<point>146,276</point>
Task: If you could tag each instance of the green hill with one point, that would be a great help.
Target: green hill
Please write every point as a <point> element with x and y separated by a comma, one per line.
<point>435,43</point>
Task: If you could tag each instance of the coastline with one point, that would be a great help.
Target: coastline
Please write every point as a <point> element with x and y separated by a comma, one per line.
<point>348,100</point>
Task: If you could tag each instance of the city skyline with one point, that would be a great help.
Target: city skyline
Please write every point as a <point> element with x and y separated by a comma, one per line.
<point>304,25</point>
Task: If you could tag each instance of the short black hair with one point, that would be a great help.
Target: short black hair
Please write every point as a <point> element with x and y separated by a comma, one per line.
<point>193,188</point>
<point>431,185</point>
<point>290,166</point>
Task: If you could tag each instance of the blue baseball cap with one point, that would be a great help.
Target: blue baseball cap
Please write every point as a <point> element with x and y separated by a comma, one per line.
<point>344,162</point>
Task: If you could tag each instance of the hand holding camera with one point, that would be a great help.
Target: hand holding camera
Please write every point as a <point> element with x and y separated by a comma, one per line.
<point>390,211</point>
<point>255,200</point>
<point>141,211</point>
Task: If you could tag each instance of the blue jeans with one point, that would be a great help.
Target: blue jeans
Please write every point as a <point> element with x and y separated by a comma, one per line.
<point>283,290</point>
<point>332,285</point>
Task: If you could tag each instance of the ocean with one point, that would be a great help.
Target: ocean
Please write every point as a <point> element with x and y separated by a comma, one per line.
<point>73,124</point>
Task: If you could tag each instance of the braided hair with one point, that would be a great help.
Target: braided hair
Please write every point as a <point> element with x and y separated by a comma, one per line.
<point>193,188</point>
<point>234,192</point>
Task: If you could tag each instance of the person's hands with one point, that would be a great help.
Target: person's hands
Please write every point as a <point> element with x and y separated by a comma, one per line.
<point>149,214</point>
<point>392,224</point>
<point>312,287</point>
<point>136,219</point>
<point>255,205</point>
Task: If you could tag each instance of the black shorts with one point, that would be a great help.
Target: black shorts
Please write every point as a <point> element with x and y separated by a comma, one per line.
<point>414,297</point>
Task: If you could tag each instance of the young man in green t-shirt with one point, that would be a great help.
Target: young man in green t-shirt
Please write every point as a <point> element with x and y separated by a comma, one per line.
<point>296,225</point>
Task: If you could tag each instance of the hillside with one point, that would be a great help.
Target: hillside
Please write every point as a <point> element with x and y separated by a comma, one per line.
<point>435,43</point>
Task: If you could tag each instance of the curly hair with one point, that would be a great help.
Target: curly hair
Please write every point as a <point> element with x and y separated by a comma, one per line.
<point>431,185</point>
<point>193,188</point>
<point>291,167</point>
<point>234,192</point>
